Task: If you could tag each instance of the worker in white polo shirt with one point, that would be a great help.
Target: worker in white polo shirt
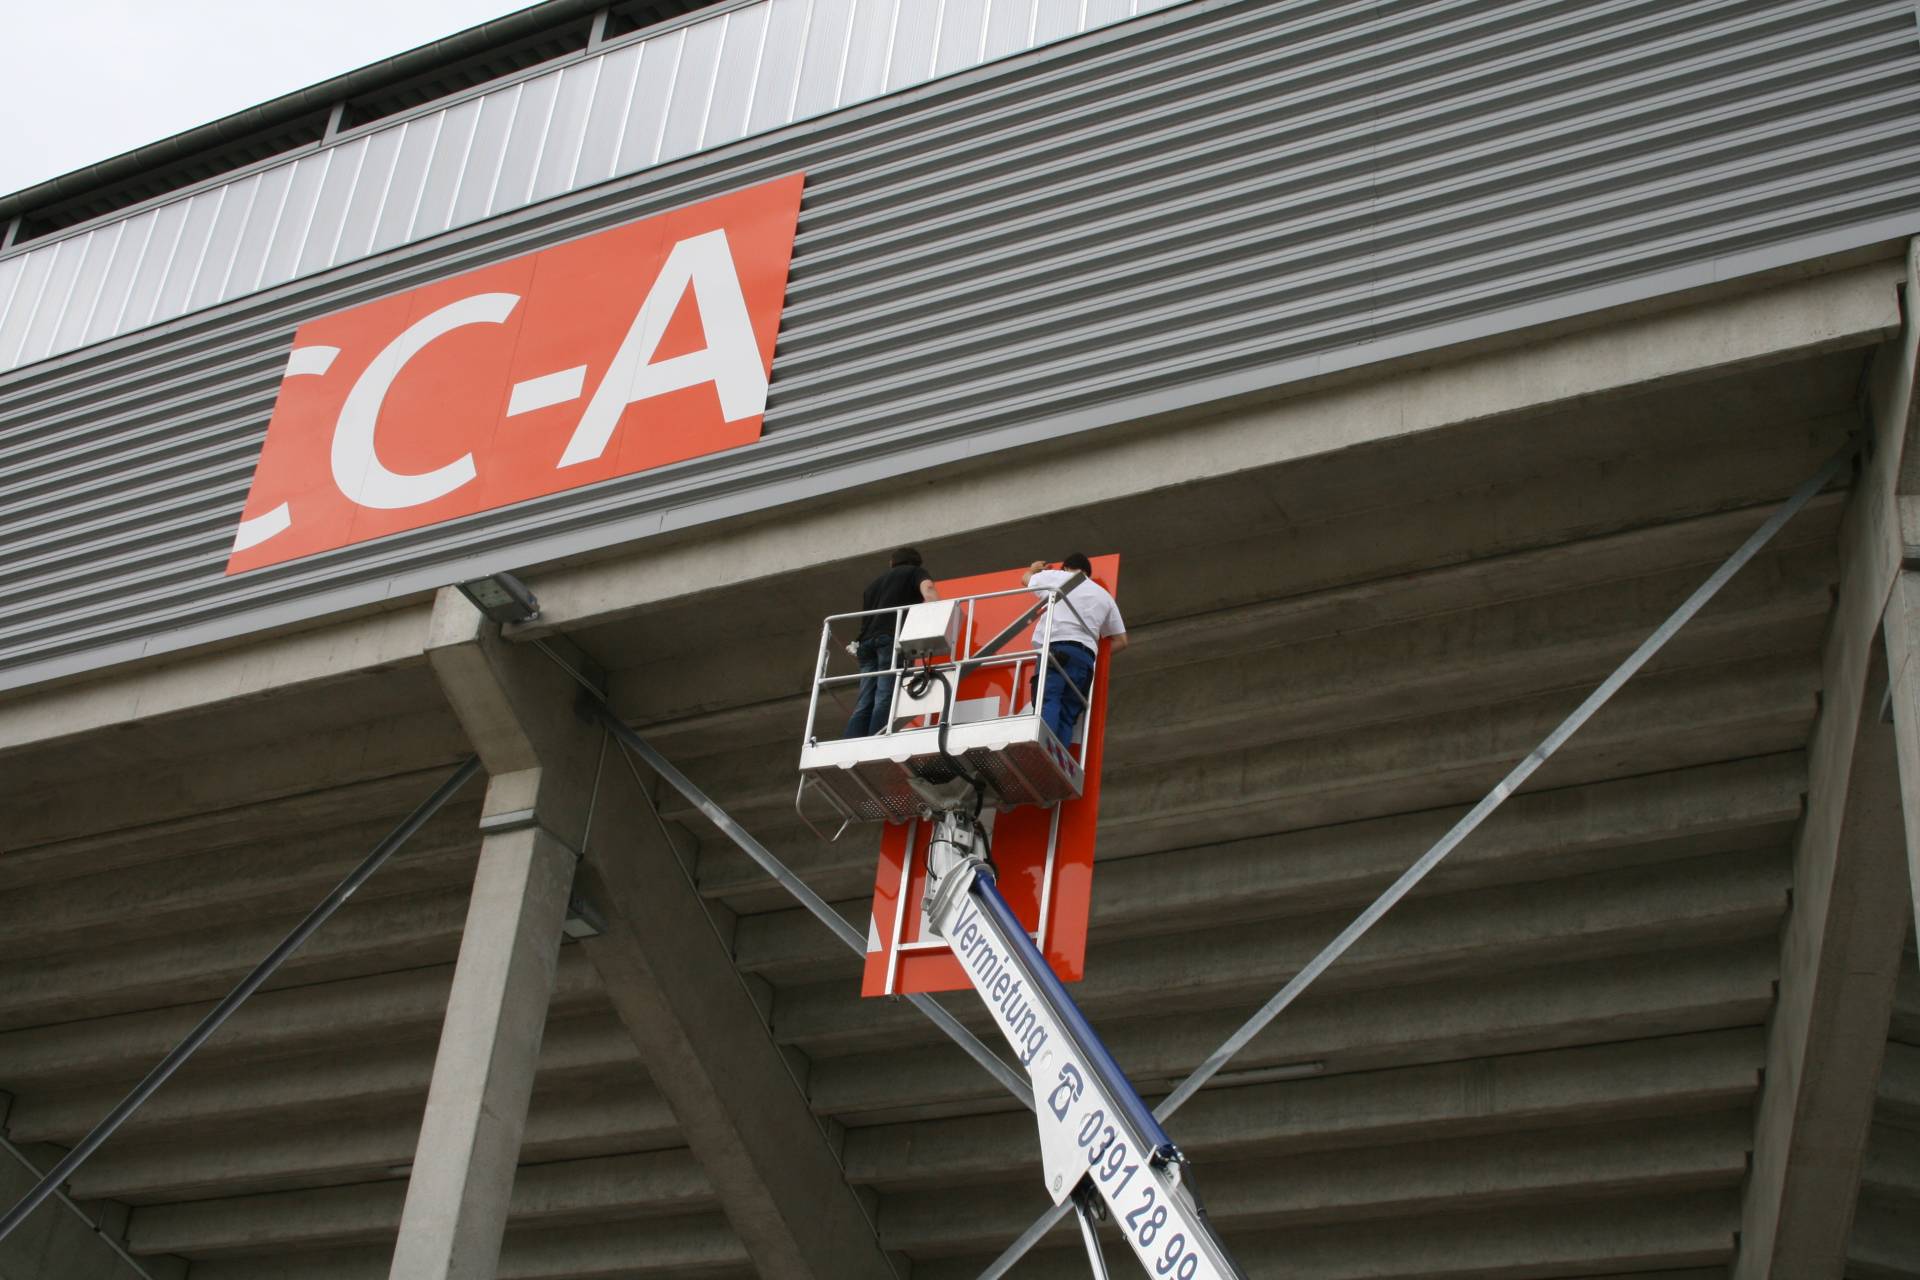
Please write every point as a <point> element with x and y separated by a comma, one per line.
<point>1075,639</point>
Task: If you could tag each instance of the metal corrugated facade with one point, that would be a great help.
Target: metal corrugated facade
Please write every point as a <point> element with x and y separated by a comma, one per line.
<point>1221,198</point>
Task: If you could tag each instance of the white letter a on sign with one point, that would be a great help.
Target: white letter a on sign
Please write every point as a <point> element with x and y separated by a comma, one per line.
<point>730,360</point>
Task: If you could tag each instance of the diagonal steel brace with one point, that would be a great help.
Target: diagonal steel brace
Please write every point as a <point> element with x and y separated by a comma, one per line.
<point>1460,830</point>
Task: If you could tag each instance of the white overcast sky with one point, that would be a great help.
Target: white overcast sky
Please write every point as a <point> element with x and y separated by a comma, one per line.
<point>82,81</point>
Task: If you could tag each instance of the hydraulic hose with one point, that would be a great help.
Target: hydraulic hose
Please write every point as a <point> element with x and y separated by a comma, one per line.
<point>924,675</point>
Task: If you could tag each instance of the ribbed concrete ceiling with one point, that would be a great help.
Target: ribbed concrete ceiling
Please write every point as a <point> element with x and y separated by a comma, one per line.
<point>1544,1064</point>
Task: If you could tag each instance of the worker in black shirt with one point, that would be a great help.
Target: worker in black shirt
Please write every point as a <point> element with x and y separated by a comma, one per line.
<point>906,582</point>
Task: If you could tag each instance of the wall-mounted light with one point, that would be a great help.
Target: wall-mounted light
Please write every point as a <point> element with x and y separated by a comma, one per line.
<point>502,597</point>
<point>583,919</point>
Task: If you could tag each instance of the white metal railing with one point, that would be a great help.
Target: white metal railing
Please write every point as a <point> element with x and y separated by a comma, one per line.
<point>995,652</point>
<point>617,110</point>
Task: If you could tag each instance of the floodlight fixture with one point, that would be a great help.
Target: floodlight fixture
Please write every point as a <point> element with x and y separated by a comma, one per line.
<point>502,597</point>
<point>583,919</point>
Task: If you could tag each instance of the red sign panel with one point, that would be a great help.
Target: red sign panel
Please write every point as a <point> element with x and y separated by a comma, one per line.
<point>1043,858</point>
<point>638,346</point>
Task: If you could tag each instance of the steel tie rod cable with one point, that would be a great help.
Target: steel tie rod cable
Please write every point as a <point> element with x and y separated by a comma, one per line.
<point>235,998</point>
<point>781,872</point>
<point>1460,830</point>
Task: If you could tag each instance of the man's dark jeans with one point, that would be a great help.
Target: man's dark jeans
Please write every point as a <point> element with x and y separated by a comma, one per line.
<point>1068,663</point>
<point>876,694</point>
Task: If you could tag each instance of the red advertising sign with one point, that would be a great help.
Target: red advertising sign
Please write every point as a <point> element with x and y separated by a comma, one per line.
<point>641,345</point>
<point>1043,858</point>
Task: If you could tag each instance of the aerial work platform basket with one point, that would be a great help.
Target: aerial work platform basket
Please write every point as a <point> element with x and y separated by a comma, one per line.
<point>960,684</point>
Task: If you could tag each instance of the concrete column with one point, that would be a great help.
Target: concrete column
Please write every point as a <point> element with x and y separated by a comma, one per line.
<point>469,1143</point>
<point>1903,660</point>
<point>1898,410</point>
<point>541,766</point>
<point>1841,950</point>
<point>667,965</point>
<point>1841,956</point>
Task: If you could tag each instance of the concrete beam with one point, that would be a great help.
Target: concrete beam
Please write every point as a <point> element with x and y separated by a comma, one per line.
<point>1460,937</point>
<point>1434,640</point>
<point>231,886</point>
<point>1446,756</point>
<point>282,819</point>
<point>1905,1027</point>
<point>383,1075</point>
<point>668,968</point>
<point>305,659</point>
<point>1640,1080</point>
<point>1674,1154</point>
<point>1840,953</point>
<point>541,777</point>
<point>1220,792</point>
<point>1645,1238</point>
<point>660,1183</point>
<point>270,1025</point>
<point>1849,308</point>
<point>1686,548</point>
<point>1388,546</point>
<point>1892,1169</point>
<point>1885,1241</point>
<point>1210,773</point>
<point>380,935</point>
<point>1365,607</point>
<point>202,789</point>
<point>1900,1084</point>
<point>567,1121</point>
<point>1469,658</point>
<point>695,1245</point>
<point>1634,997</point>
<point>1741,804</point>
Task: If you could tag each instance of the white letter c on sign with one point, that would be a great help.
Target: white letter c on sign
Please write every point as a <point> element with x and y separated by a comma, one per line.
<point>357,469</point>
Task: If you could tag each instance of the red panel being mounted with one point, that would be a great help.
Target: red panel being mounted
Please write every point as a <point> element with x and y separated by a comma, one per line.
<point>638,346</point>
<point>1043,857</point>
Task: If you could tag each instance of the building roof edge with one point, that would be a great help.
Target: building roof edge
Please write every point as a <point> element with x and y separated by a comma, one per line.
<point>291,106</point>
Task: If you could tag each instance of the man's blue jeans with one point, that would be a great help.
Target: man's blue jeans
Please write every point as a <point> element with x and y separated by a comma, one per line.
<point>876,693</point>
<point>1068,663</point>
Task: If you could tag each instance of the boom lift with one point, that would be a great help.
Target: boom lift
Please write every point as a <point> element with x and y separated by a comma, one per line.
<point>1100,1146</point>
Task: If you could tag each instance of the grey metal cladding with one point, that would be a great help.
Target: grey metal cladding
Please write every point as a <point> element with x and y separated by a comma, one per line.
<point>1203,203</point>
